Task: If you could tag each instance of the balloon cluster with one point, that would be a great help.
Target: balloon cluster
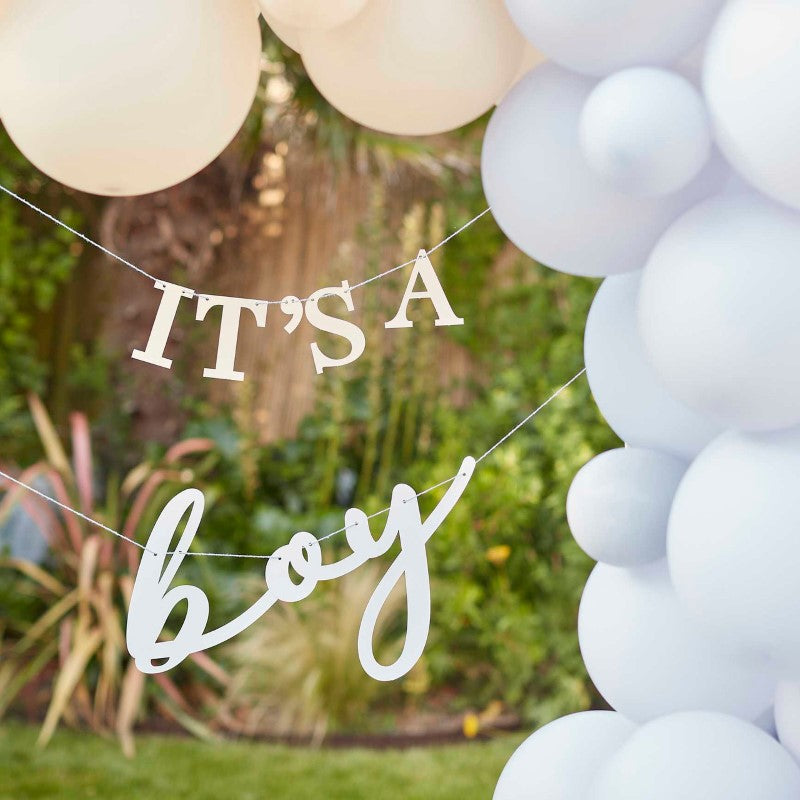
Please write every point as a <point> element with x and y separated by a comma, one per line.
<point>121,98</point>
<point>658,150</point>
<point>413,67</point>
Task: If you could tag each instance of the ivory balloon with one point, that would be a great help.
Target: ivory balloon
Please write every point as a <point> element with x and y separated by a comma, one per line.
<point>718,312</point>
<point>311,14</point>
<point>546,198</point>
<point>531,58</point>
<point>645,131</point>
<point>733,544</point>
<point>787,717</point>
<point>618,505</point>
<point>598,37</point>
<point>751,70</point>
<point>416,67</point>
<point>626,388</point>
<point>286,33</point>
<point>698,756</point>
<point>647,658</point>
<point>561,760</point>
<point>120,98</point>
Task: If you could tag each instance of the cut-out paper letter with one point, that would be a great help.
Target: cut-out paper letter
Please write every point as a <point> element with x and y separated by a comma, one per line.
<point>229,331</point>
<point>162,324</point>
<point>340,327</point>
<point>433,291</point>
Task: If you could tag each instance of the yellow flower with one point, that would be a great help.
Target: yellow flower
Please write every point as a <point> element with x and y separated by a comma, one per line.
<point>471,725</point>
<point>498,555</point>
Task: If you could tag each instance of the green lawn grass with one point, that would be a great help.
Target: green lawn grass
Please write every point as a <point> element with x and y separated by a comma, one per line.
<point>75,766</point>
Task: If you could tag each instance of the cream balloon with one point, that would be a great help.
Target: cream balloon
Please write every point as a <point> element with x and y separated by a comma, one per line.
<point>416,67</point>
<point>531,58</point>
<point>286,33</point>
<point>311,14</point>
<point>751,71</point>
<point>120,98</point>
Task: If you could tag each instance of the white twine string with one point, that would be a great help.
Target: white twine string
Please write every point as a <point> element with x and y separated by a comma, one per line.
<point>502,440</point>
<point>153,278</point>
<point>135,268</point>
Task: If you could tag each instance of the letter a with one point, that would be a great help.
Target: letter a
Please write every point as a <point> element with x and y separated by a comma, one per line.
<point>433,292</point>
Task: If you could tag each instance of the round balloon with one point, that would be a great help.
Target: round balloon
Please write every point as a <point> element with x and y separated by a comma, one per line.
<point>311,14</point>
<point>561,760</point>
<point>626,388</point>
<point>733,544</point>
<point>550,203</point>
<point>647,658</point>
<point>531,58</point>
<point>618,505</point>
<point>718,311</point>
<point>286,33</point>
<point>787,717</point>
<point>416,67</point>
<point>121,98</point>
<point>751,70</point>
<point>645,131</point>
<point>698,756</point>
<point>598,37</point>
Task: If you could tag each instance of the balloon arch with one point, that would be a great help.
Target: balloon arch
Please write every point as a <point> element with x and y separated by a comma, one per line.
<point>657,148</point>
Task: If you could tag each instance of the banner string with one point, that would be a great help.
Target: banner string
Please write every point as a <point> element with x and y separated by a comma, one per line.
<point>153,278</point>
<point>144,273</point>
<point>107,529</point>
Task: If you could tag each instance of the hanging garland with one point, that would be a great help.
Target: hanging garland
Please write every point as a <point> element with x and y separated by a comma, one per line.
<point>658,151</point>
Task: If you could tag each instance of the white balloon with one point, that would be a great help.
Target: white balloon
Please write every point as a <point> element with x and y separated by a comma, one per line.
<point>286,33</point>
<point>733,543</point>
<point>618,505</point>
<point>647,658</point>
<point>546,198</point>
<point>120,98</point>
<point>561,760</point>
<point>645,131</point>
<point>311,14</point>
<point>718,312</point>
<point>698,756</point>
<point>751,70</point>
<point>625,386</point>
<point>598,37</point>
<point>416,67</point>
<point>766,722</point>
<point>787,717</point>
<point>531,58</point>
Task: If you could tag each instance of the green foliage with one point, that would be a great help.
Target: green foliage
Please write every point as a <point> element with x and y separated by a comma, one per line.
<point>297,671</point>
<point>85,586</point>
<point>36,260</point>
<point>507,574</point>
